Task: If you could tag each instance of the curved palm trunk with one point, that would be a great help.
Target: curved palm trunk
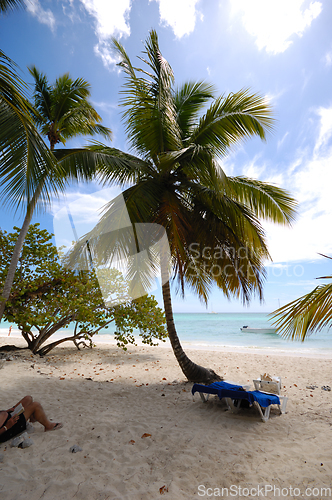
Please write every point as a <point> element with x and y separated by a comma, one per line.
<point>17,251</point>
<point>193,372</point>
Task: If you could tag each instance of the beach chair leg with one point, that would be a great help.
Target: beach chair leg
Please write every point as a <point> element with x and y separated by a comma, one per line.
<point>231,405</point>
<point>204,397</point>
<point>283,405</point>
<point>264,414</point>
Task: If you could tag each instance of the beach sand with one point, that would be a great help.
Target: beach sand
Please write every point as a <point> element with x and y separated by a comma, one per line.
<point>188,446</point>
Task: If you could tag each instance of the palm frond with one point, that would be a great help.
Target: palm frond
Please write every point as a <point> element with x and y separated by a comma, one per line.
<point>117,166</point>
<point>25,159</point>
<point>265,200</point>
<point>96,159</point>
<point>308,314</point>
<point>124,62</point>
<point>42,109</point>
<point>67,94</point>
<point>81,120</point>
<point>150,113</point>
<point>323,255</point>
<point>7,5</point>
<point>231,119</point>
<point>12,87</point>
<point>189,100</point>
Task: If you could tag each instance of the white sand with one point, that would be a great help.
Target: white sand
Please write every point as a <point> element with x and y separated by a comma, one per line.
<point>191,443</point>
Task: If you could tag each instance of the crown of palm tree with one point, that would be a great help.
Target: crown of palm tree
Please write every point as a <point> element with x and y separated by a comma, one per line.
<point>62,110</point>
<point>178,136</point>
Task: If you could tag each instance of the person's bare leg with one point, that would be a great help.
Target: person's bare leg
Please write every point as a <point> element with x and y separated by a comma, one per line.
<point>26,401</point>
<point>38,414</point>
<point>3,416</point>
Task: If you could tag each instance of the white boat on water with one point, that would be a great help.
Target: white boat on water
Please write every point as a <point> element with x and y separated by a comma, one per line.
<point>247,329</point>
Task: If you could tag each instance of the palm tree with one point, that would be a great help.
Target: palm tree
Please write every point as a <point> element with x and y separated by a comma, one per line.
<point>29,171</point>
<point>25,158</point>
<point>211,220</point>
<point>307,314</point>
<point>62,110</point>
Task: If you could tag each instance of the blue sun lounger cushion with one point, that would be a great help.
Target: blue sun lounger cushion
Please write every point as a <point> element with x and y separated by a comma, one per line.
<point>235,393</point>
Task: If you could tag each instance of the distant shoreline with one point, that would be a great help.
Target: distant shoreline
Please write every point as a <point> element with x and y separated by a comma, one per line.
<point>195,346</point>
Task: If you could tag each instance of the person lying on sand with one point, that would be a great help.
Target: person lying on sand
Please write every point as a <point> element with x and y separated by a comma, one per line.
<point>12,426</point>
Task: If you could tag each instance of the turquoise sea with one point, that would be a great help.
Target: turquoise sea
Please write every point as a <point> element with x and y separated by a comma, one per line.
<point>205,330</point>
<point>219,330</point>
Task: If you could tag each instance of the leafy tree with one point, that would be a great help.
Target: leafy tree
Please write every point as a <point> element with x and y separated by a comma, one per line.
<point>307,314</point>
<point>178,183</point>
<point>47,297</point>
<point>30,174</point>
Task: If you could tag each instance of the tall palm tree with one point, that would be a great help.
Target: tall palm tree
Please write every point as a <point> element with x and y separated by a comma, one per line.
<point>24,157</point>
<point>211,220</point>
<point>31,173</point>
<point>307,314</point>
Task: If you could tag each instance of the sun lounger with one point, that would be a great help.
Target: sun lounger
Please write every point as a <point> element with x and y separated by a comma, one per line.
<point>234,394</point>
<point>273,385</point>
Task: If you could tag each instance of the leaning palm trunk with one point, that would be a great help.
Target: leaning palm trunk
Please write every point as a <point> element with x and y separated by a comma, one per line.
<point>17,251</point>
<point>193,372</point>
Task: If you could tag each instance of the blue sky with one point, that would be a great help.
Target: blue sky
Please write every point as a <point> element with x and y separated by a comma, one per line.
<point>278,48</point>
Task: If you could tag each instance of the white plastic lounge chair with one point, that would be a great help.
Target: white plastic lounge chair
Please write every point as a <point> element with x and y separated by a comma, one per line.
<point>234,394</point>
<point>272,386</point>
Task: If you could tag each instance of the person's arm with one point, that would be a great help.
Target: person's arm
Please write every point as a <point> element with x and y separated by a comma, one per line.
<point>9,424</point>
<point>3,429</point>
<point>3,416</point>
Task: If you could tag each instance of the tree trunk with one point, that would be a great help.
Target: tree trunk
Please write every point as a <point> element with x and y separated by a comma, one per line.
<point>47,348</point>
<point>45,334</point>
<point>17,251</point>
<point>193,372</point>
<point>28,340</point>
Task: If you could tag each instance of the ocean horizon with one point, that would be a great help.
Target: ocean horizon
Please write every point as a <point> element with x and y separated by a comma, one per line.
<point>211,331</point>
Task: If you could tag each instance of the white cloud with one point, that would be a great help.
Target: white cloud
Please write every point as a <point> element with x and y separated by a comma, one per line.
<point>106,107</point>
<point>273,22</point>
<point>328,58</point>
<point>252,169</point>
<point>85,209</point>
<point>111,19</point>
<point>179,14</point>
<point>274,98</point>
<point>325,132</point>
<point>103,50</point>
<point>309,178</point>
<point>281,141</point>
<point>43,16</point>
